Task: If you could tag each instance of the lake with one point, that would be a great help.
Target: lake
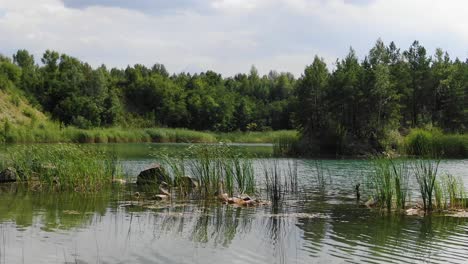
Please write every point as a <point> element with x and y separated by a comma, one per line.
<point>314,225</point>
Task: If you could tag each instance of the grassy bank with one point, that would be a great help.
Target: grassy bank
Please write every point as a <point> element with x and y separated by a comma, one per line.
<point>52,133</point>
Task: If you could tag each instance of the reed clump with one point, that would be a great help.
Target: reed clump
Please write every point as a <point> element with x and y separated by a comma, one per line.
<point>389,180</point>
<point>280,179</point>
<point>62,167</point>
<point>217,168</point>
<point>434,143</point>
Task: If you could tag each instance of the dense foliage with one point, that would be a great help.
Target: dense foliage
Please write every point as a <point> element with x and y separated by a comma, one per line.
<point>359,104</point>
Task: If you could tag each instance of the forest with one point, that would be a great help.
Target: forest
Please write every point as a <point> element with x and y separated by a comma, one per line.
<point>354,103</point>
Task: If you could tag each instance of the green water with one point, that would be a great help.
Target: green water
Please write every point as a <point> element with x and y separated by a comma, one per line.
<point>312,226</point>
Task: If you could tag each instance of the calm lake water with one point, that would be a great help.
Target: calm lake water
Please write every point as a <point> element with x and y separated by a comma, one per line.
<point>313,226</point>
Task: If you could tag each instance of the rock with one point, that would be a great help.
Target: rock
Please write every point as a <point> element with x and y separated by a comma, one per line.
<point>160,197</point>
<point>245,198</point>
<point>224,197</point>
<point>188,182</point>
<point>8,175</point>
<point>119,181</point>
<point>415,211</point>
<point>153,175</point>
<point>371,203</point>
<point>163,189</point>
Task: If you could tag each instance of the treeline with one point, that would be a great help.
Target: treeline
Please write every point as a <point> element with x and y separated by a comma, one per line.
<point>366,105</point>
<point>76,94</point>
<point>359,102</point>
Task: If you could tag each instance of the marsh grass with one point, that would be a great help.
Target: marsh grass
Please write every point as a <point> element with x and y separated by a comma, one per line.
<point>62,167</point>
<point>280,179</point>
<point>321,175</point>
<point>49,132</point>
<point>218,169</point>
<point>389,181</point>
<point>434,143</point>
<point>286,144</point>
<point>450,192</point>
<point>426,174</point>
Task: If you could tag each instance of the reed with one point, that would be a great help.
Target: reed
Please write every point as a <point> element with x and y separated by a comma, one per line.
<point>389,181</point>
<point>62,167</point>
<point>286,145</point>
<point>274,187</point>
<point>218,169</point>
<point>426,175</point>
<point>434,143</point>
<point>401,174</point>
<point>452,190</point>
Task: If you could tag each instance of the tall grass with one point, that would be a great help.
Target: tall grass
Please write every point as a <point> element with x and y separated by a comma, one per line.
<point>286,145</point>
<point>450,192</point>
<point>426,175</point>
<point>62,167</point>
<point>434,143</point>
<point>389,180</point>
<point>48,132</point>
<point>280,179</point>
<point>218,169</point>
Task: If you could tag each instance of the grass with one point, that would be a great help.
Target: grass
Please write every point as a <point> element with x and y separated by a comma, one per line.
<point>389,180</point>
<point>218,169</point>
<point>62,167</point>
<point>450,192</point>
<point>280,179</point>
<point>48,132</point>
<point>256,137</point>
<point>286,144</point>
<point>434,143</point>
<point>426,174</point>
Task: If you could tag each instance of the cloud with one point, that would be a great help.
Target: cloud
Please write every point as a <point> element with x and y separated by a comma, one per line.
<point>227,36</point>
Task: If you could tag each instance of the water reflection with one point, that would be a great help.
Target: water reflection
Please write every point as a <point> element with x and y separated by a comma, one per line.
<point>313,226</point>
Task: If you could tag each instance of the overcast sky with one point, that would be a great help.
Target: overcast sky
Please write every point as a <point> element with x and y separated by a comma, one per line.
<point>228,36</point>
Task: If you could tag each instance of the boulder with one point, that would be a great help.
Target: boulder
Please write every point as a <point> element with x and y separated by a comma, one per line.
<point>8,175</point>
<point>154,175</point>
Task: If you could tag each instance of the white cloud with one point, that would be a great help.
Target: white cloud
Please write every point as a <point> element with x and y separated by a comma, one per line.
<point>233,34</point>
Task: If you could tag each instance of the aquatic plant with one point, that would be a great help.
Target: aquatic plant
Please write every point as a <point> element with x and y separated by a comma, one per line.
<point>433,143</point>
<point>389,181</point>
<point>452,192</point>
<point>62,167</point>
<point>286,145</point>
<point>280,179</point>
<point>426,175</point>
<point>274,187</point>
<point>401,174</point>
<point>320,175</point>
<point>217,168</point>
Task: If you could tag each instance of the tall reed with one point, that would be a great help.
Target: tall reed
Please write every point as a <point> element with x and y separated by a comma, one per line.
<point>426,175</point>
<point>389,180</point>
<point>62,167</point>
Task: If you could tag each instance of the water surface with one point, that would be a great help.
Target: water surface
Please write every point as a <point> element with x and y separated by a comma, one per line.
<point>313,226</point>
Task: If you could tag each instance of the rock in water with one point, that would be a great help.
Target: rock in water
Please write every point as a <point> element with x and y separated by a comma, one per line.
<point>153,175</point>
<point>160,197</point>
<point>8,175</point>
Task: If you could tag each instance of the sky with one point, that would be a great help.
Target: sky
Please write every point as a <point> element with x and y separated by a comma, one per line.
<point>228,36</point>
